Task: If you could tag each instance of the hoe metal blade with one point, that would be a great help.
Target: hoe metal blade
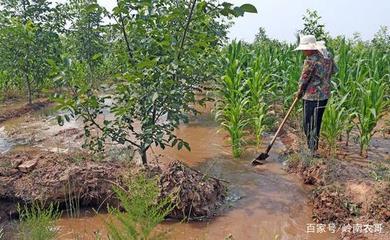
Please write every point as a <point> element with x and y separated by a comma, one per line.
<point>260,159</point>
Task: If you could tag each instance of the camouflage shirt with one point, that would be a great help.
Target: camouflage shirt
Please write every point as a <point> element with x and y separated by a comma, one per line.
<point>315,81</point>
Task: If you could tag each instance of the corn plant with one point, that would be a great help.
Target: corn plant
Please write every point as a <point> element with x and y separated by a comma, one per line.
<point>232,102</point>
<point>257,84</point>
<point>333,123</point>
<point>371,109</point>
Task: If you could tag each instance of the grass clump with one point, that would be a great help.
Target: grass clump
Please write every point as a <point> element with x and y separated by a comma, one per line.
<point>381,171</point>
<point>300,160</point>
<point>142,211</point>
<point>37,222</point>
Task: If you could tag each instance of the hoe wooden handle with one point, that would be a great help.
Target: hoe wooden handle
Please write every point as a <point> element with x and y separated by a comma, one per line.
<point>282,124</point>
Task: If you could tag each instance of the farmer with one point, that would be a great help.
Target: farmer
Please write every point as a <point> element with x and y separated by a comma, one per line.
<point>314,87</point>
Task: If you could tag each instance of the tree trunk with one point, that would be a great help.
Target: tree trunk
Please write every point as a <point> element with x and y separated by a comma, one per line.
<point>29,91</point>
<point>144,157</point>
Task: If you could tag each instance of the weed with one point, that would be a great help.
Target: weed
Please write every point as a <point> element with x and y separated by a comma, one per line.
<point>381,171</point>
<point>38,222</point>
<point>143,210</point>
<point>72,201</point>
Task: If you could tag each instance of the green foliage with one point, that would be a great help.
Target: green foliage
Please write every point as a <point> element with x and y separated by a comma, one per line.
<point>371,109</point>
<point>333,123</point>
<point>381,170</point>
<point>153,96</point>
<point>86,36</point>
<point>28,39</point>
<point>312,25</point>
<point>142,210</point>
<point>266,75</point>
<point>261,35</point>
<point>232,100</point>
<point>257,90</point>
<point>38,222</point>
<point>237,11</point>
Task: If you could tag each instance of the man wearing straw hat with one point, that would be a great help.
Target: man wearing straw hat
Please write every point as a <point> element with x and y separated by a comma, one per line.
<point>314,86</point>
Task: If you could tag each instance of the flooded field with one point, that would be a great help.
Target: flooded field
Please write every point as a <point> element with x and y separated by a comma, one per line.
<point>264,202</point>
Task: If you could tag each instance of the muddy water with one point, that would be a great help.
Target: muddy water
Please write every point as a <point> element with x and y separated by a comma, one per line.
<point>36,130</point>
<point>5,145</point>
<point>264,202</point>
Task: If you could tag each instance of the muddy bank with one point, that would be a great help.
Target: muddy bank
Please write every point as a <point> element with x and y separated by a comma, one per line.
<point>50,177</point>
<point>344,193</point>
<point>9,113</point>
<point>59,178</point>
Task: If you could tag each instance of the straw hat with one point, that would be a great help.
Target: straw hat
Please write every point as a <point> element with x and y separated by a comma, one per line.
<point>309,42</point>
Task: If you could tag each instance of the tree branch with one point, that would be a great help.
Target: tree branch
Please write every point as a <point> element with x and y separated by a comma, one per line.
<point>189,18</point>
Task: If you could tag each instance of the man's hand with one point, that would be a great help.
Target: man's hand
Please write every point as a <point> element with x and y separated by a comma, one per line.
<point>299,94</point>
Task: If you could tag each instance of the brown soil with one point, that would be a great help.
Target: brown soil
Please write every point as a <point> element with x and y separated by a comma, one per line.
<point>56,178</point>
<point>344,191</point>
<point>52,177</point>
<point>378,207</point>
<point>197,195</point>
<point>21,110</point>
<point>330,205</point>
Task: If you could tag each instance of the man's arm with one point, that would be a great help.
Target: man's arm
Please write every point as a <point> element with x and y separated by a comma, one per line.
<point>307,72</point>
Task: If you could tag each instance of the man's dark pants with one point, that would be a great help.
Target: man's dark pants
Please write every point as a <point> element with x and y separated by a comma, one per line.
<point>312,119</point>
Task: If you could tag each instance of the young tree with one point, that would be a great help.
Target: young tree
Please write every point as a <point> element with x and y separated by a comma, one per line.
<point>85,37</point>
<point>28,41</point>
<point>312,25</point>
<point>171,56</point>
<point>261,35</point>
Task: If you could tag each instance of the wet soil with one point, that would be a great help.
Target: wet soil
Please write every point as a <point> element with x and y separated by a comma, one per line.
<point>18,110</point>
<point>350,189</point>
<point>264,202</point>
<point>56,178</point>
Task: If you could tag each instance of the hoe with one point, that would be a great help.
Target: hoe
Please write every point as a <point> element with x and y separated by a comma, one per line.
<point>260,159</point>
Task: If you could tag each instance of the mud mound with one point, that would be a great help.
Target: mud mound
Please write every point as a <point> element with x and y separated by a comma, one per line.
<point>312,173</point>
<point>52,177</point>
<point>56,178</point>
<point>197,195</point>
<point>14,113</point>
<point>330,205</point>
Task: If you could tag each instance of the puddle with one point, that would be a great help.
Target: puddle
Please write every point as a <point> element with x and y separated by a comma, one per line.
<point>37,130</point>
<point>5,144</point>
